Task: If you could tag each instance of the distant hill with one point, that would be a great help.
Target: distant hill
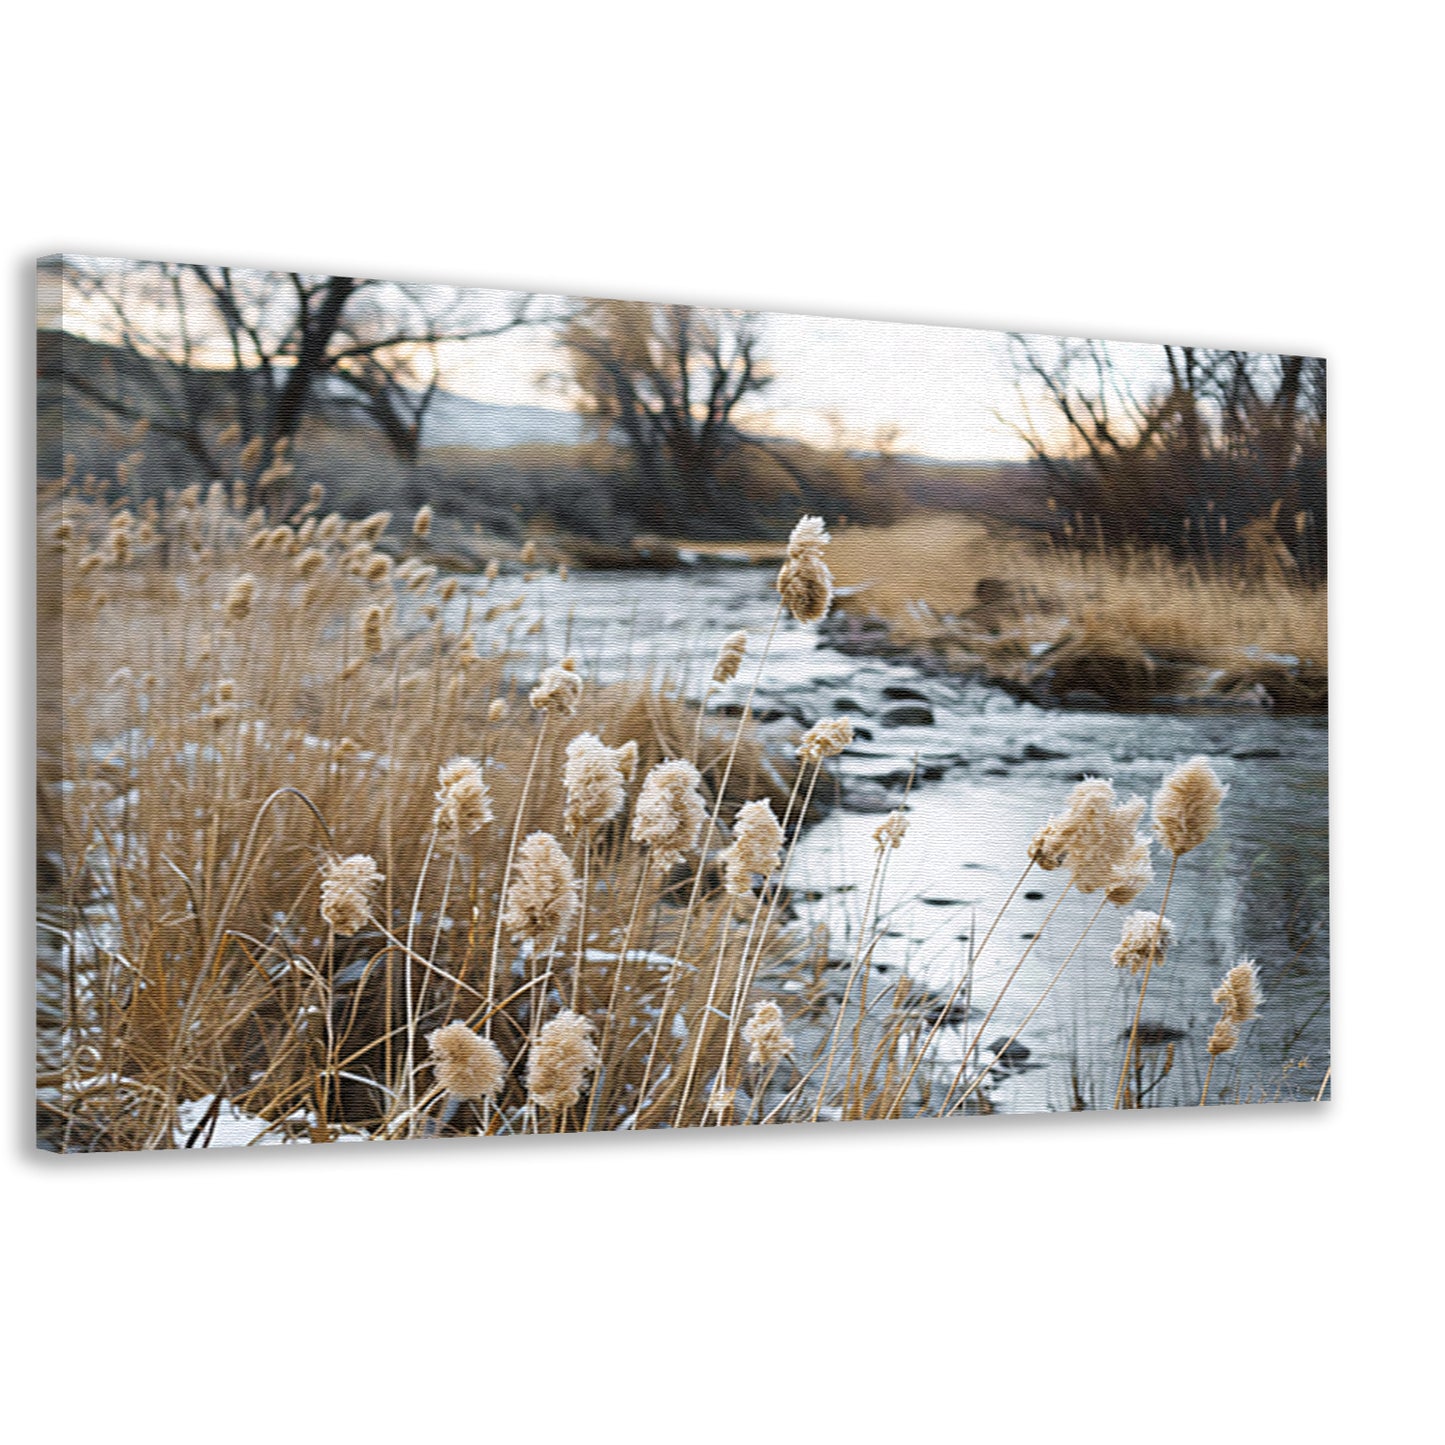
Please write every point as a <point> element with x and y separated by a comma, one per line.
<point>452,421</point>
<point>457,421</point>
<point>502,467</point>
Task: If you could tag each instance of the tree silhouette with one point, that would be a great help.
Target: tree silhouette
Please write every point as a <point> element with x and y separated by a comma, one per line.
<point>1220,444</point>
<point>666,382</point>
<point>207,346</point>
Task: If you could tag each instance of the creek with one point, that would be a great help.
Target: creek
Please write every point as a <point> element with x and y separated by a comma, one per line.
<point>987,770</point>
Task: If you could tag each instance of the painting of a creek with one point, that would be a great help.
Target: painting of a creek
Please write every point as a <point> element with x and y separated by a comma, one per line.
<point>727,720</point>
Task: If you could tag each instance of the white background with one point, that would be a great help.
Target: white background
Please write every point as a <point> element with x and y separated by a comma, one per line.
<point>1243,174</point>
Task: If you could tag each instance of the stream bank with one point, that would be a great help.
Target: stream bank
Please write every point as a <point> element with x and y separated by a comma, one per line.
<point>987,767</point>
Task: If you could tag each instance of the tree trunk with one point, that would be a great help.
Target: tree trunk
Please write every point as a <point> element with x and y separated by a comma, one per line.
<point>311,358</point>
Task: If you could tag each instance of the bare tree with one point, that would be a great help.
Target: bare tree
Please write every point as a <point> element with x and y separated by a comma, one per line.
<point>204,346</point>
<point>667,382</point>
<point>1202,445</point>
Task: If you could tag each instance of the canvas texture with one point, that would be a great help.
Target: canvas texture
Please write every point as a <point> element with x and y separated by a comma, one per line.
<point>470,714</point>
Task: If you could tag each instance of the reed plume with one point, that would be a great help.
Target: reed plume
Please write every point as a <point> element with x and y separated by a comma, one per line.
<point>1132,874</point>
<point>764,1032</point>
<point>891,831</point>
<point>543,896</point>
<point>239,598</point>
<point>421,523</point>
<point>373,629</point>
<point>251,453</point>
<point>670,812</point>
<point>1239,998</point>
<point>558,689</point>
<point>224,708</point>
<point>756,847</point>
<point>1186,807</point>
<point>1095,837</point>
<point>1186,812</point>
<point>593,782</point>
<point>730,657</point>
<point>308,561</point>
<point>1046,850</point>
<point>466,1064</point>
<point>1137,941</point>
<point>1221,1041</point>
<point>347,885</point>
<point>804,581</point>
<point>1238,992</point>
<point>559,1062</point>
<point>825,739</point>
<point>463,800</point>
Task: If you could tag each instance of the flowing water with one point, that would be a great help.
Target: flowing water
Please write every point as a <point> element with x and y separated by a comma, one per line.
<point>987,771</point>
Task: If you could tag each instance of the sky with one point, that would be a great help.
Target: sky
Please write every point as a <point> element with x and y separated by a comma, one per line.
<point>939,384</point>
<point>951,391</point>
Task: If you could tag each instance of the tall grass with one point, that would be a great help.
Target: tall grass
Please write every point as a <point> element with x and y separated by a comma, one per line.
<point>250,706</point>
<point>1129,621</point>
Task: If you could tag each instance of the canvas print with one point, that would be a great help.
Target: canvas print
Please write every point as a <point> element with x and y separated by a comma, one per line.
<point>470,713</point>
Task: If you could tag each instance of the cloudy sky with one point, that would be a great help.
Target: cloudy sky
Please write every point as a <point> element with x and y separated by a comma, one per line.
<point>942,385</point>
<point>950,391</point>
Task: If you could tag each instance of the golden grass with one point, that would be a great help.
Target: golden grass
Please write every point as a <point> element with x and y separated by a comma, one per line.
<point>243,701</point>
<point>989,594</point>
<point>209,760</point>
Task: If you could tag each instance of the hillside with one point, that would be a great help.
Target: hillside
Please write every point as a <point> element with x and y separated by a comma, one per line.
<point>458,421</point>
<point>508,470</point>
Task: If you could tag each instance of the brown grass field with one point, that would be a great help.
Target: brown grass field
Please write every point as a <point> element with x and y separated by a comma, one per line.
<point>1128,625</point>
<point>258,903</point>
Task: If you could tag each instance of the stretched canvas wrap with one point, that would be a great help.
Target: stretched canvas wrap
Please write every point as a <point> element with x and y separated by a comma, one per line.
<point>465,712</point>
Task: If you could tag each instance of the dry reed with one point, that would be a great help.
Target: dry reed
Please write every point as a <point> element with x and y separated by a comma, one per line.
<point>1132,622</point>
<point>272,896</point>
